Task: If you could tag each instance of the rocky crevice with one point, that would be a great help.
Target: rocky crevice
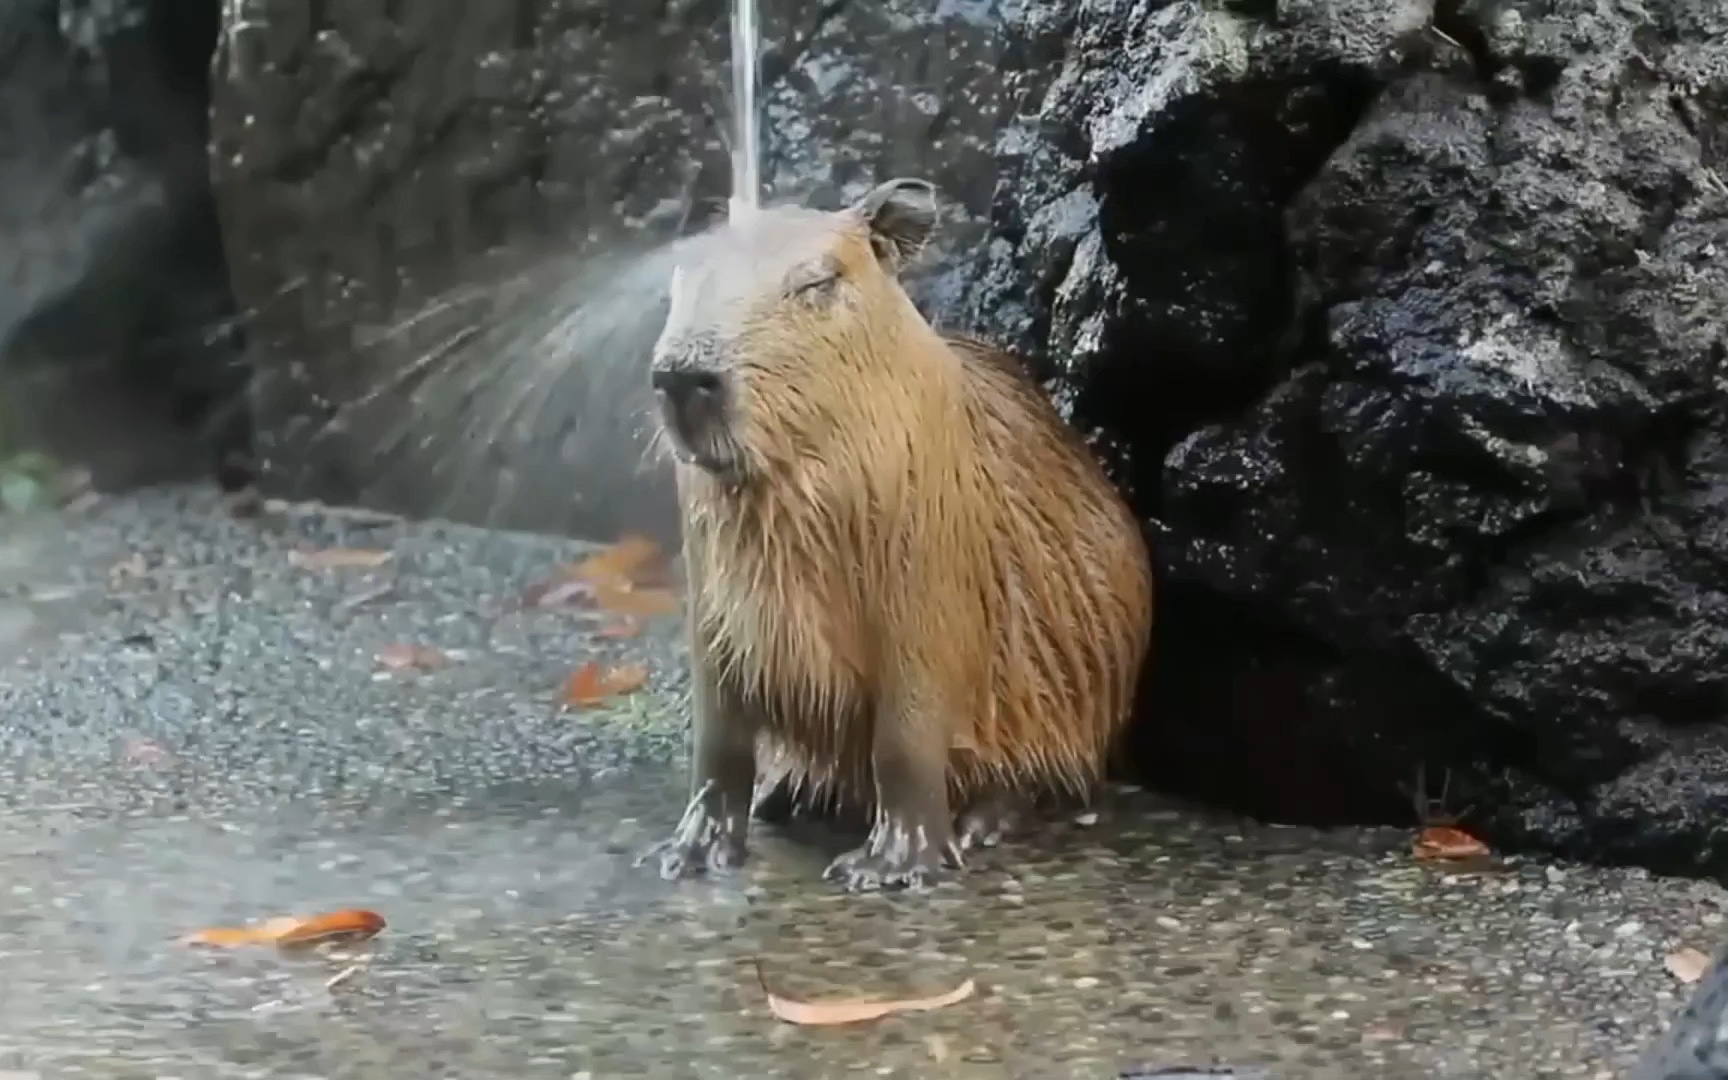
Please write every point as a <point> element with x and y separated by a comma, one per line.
<point>116,315</point>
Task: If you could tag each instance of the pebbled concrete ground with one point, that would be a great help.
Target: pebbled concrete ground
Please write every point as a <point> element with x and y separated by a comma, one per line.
<point>195,732</point>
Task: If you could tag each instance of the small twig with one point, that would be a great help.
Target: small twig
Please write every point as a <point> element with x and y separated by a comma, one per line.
<point>349,603</point>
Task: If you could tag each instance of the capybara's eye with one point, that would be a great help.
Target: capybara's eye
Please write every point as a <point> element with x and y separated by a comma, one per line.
<point>813,282</point>
<point>815,288</point>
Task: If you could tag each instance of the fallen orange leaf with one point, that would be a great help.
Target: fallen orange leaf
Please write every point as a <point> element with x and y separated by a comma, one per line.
<point>339,558</point>
<point>405,657</point>
<point>293,931</point>
<point>230,937</point>
<point>591,684</point>
<point>633,558</point>
<point>855,1010</point>
<point>625,598</point>
<point>1687,964</point>
<point>629,578</point>
<point>1446,842</point>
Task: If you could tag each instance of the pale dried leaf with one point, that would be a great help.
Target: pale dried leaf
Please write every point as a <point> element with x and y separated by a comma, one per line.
<point>402,656</point>
<point>339,559</point>
<point>835,1011</point>
<point>131,566</point>
<point>142,753</point>
<point>1687,964</point>
<point>558,594</point>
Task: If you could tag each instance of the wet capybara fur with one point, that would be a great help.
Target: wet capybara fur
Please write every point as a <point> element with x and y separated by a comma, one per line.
<point>909,580</point>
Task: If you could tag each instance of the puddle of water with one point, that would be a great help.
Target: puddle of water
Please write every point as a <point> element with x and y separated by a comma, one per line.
<point>523,944</point>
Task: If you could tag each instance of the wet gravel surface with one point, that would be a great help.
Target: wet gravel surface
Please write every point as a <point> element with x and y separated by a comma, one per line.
<point>196,732</point>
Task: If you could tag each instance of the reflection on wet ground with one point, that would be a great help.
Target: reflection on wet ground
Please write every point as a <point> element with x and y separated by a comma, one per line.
<point>523,943</point>
<point>249,760</point>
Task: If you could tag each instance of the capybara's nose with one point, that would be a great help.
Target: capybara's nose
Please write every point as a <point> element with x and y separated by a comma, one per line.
<point>682,385</point>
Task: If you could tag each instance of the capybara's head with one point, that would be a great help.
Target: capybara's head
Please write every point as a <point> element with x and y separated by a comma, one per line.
<point>779,322</point>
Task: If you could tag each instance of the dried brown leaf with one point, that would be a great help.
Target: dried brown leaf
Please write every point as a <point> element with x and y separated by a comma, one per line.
<point>1443,842</point>
<point>339,559</point>
<point>402,656</point>
<point>1687,964</point>
<point>835,1011</point>
<point>633,558</point>
<point>591,684</point>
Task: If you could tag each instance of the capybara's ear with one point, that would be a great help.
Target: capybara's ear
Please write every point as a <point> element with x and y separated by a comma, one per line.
<point>901,214</point>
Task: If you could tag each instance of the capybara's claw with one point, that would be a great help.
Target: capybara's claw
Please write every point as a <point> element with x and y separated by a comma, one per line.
<point>701,842</point>
<point>888,861</point>
<point>681,858</point>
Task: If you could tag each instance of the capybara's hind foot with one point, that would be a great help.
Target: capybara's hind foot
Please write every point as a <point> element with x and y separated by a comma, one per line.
<point>703,841</point>
<point>990,820</point>
<point>895,856</point>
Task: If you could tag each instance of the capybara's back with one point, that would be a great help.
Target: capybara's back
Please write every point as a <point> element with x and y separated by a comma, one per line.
<point>1073,615</point>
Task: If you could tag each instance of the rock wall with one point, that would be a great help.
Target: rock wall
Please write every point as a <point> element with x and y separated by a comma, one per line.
<point>1402,322</point>
<point>1406,322</point>
<point>115,311</point>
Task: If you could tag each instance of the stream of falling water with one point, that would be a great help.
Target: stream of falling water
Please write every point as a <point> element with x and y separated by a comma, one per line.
<point>746,141</point>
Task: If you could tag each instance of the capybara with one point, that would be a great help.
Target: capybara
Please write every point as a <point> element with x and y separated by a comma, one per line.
<point>909,580</point>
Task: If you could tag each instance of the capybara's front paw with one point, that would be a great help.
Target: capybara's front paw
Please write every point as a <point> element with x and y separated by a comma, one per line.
<point>680,858</point>
<point>895,857</point>
<point>702,842</point>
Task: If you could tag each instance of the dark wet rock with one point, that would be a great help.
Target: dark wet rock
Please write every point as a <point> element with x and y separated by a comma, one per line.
<point>114,301</point>
<point>483,169</point>
<point>1404,325</point>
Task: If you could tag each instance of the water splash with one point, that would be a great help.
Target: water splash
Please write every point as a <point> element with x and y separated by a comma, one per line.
<point>746,86</point>
<point>525,403</point>
<point>519,402</point>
